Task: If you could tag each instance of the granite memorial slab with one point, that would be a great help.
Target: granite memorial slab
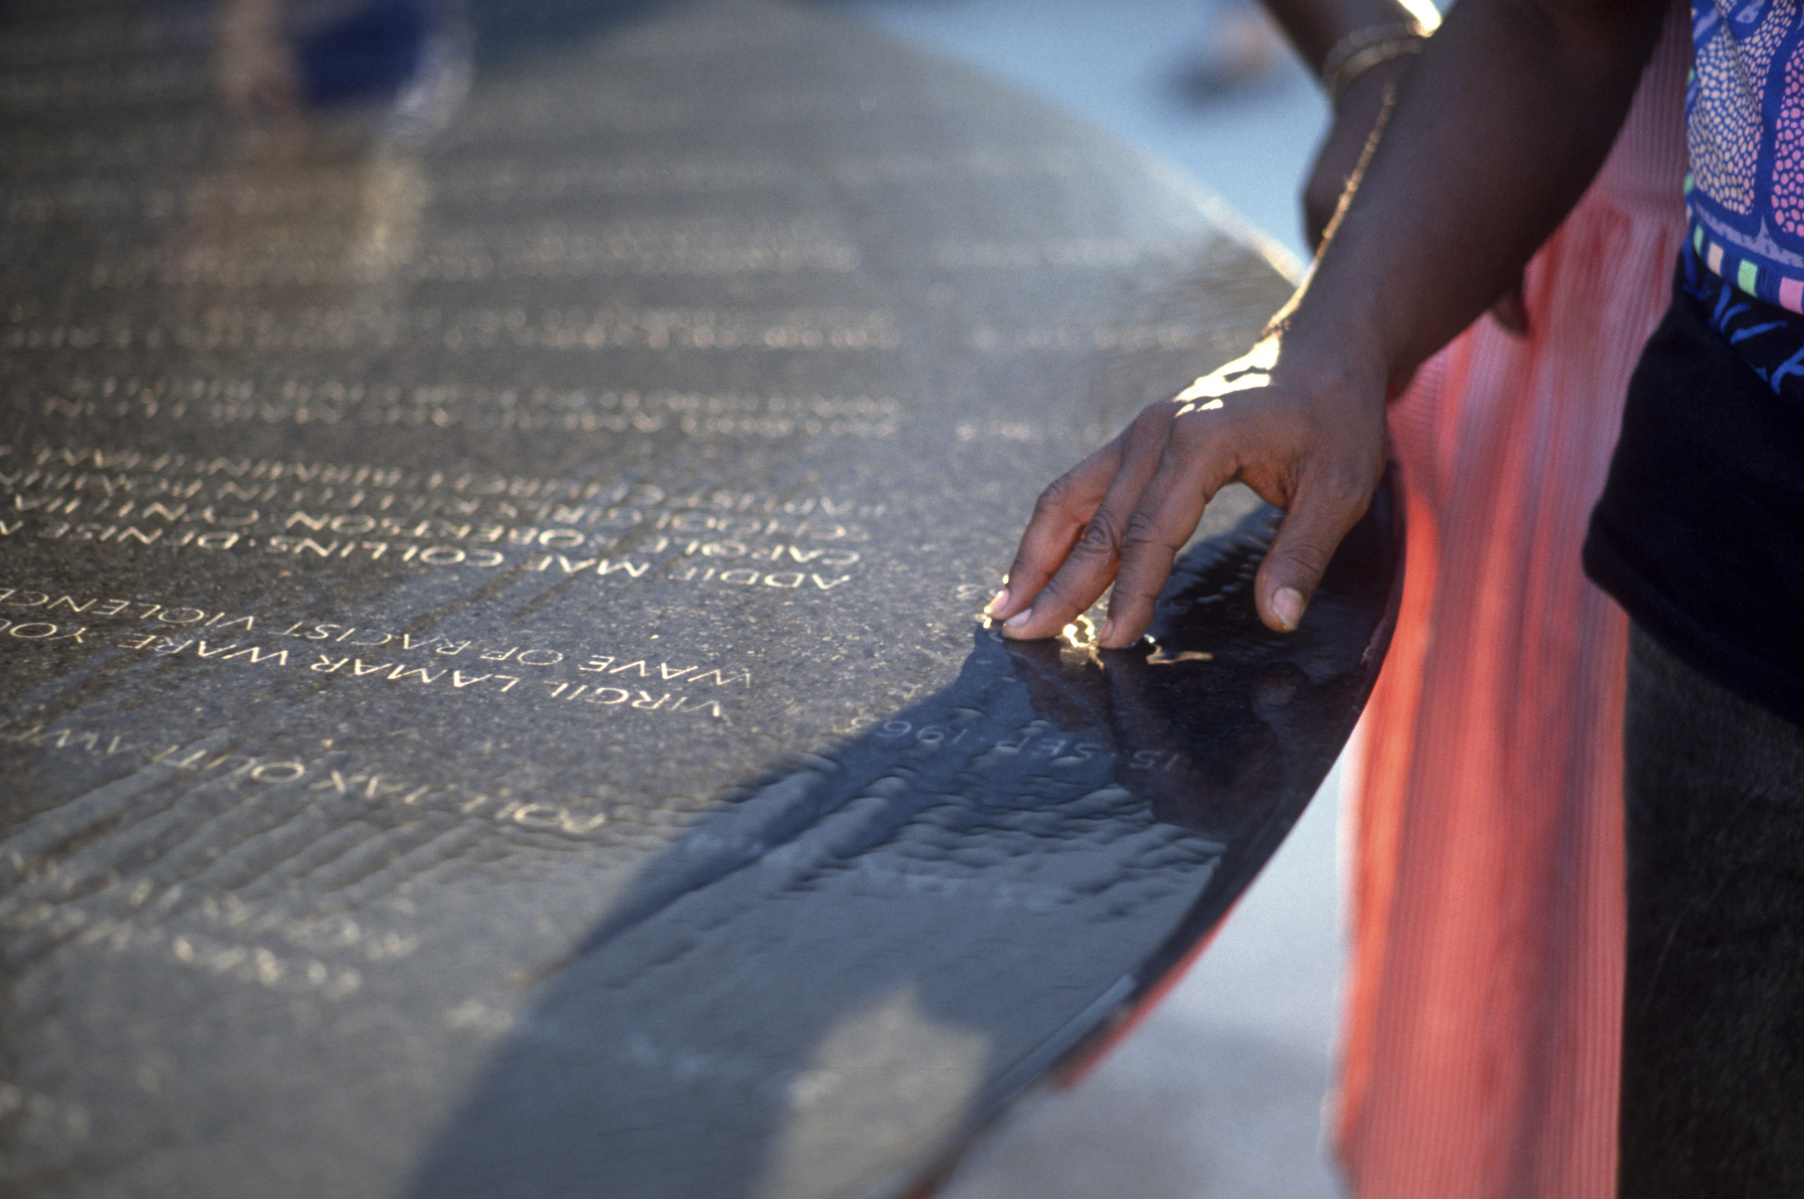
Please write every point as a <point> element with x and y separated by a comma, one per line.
<point>495,501</point>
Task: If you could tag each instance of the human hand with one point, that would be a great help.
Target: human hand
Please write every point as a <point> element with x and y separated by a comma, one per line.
<point>1304,430</point>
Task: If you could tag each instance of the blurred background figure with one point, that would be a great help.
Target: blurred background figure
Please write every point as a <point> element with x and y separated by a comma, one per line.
<point>1239,47</point>
<point>406,60</point>
<point>320,184</point>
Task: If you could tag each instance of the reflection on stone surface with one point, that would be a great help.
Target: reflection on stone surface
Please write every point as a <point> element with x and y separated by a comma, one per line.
<point>496,498</point>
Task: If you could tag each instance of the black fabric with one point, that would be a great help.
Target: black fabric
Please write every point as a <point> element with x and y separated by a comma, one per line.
<point>1713,1006</point>
<point>1700,530</point>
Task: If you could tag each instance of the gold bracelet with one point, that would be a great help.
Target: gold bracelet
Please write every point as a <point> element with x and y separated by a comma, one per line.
<point>1363,49</point>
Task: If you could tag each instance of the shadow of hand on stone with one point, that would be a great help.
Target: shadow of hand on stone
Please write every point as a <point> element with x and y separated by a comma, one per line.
<point>1206,746</point>
<point>1213,718</point>
<point>842,967</point>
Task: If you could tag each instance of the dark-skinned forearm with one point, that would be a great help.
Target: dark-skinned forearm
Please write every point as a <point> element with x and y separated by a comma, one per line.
<point>1499,129</point>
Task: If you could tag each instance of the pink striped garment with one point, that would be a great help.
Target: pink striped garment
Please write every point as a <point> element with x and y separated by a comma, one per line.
<point>1479,1055</point>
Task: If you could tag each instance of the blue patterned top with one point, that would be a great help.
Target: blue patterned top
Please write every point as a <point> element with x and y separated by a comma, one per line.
<point>1745,127</point>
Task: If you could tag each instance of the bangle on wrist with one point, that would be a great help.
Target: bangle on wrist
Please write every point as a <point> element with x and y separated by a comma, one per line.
<point>1363,49</point>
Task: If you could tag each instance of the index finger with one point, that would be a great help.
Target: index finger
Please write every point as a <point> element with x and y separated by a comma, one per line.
<point>1169,510</point>
<point>1060,515</point>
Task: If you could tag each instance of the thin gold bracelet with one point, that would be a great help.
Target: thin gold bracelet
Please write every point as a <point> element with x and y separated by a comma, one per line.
<point>1363,49</point>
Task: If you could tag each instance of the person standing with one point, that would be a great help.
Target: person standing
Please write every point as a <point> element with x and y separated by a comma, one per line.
<point>1500,128</point>
<point>1484,822</point>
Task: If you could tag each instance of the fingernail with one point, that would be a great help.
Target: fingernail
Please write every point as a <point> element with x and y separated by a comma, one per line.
<point>1019,619</point>
<point>1287,606</point>
<point>1000,601</point>
<point>1106,637</point>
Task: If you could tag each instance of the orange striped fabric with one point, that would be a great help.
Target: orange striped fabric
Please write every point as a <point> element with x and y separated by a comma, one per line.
<point>1480,1048</point>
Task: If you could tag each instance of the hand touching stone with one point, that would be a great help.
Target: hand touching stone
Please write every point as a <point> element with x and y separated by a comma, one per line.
<point>1304,430</point>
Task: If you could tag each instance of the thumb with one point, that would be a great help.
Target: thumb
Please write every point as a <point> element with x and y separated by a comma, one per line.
<point>1318,518</point>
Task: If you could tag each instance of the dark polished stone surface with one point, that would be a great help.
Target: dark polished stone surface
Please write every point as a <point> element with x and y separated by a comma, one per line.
<point>496,502</point>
